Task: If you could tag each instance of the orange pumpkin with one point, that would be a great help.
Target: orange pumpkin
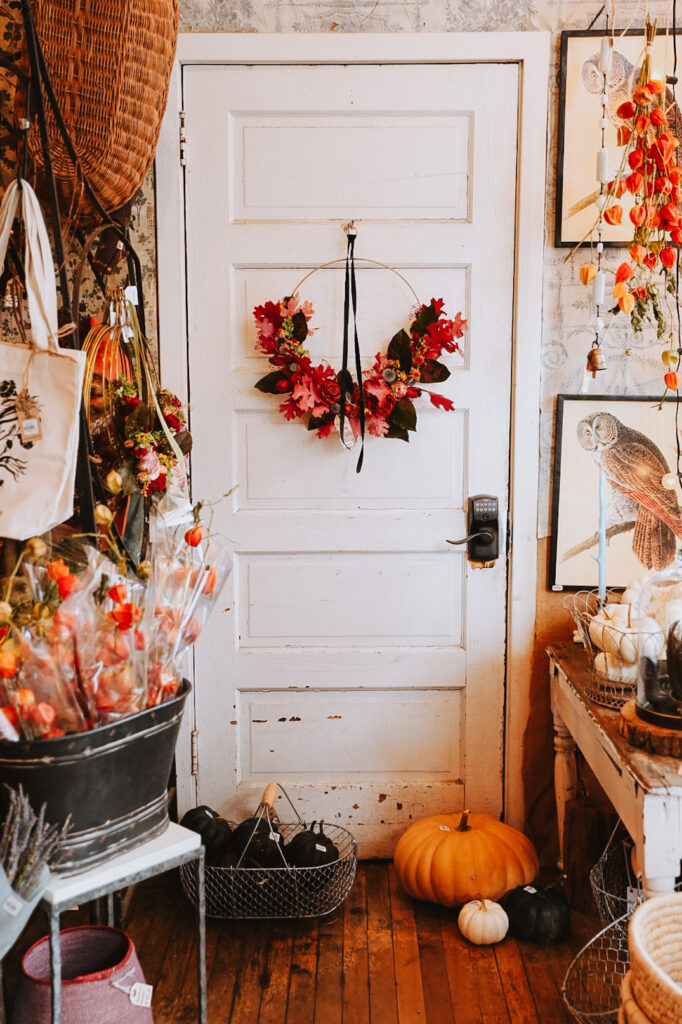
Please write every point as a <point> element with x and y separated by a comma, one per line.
<point>453,858</point>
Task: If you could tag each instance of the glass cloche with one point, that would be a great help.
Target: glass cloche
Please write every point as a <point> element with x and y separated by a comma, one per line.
<point>659,624</point>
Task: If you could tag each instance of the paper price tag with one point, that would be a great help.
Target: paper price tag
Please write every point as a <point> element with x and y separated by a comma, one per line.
<point>320,847</point>
<point>275,836</point>
<point>634,898</point>
<point>28,417</point>
<point>529,888</point>
<point>12,905</point>
<point>140,994</point>
<point>444,828</point>
<point>30,429</point>
<point>131,294</point>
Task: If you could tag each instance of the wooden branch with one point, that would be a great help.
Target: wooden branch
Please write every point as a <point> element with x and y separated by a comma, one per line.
<point>585,545</point>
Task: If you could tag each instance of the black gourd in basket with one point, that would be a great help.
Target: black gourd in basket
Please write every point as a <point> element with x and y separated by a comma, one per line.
<point>274,869</point>
<point>309,849</point>
<point>215,832</point>
<point>260,838</point>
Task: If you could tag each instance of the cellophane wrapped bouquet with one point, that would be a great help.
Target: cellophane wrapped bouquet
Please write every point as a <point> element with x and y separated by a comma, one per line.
<point>84,641</point>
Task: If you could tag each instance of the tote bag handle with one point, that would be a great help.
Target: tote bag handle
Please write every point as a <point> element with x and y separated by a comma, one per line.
<point>41,290</point>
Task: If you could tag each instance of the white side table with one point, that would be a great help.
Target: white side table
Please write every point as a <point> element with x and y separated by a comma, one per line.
<point>645,789</point>
<point>175,846</point>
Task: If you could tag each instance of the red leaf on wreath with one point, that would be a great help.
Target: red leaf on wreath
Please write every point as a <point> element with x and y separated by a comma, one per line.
<point>290,409</point>
<point>440,401</point>
<point>327,429</point>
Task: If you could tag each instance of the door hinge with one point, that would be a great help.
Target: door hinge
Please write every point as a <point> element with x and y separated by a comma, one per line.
<point>183,140</point>
<point>195,752</point>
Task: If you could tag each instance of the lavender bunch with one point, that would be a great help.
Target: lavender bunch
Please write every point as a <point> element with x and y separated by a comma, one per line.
<point>27,843</point>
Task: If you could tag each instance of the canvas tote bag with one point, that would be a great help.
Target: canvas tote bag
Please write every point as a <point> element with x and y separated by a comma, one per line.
<point>40,392</point>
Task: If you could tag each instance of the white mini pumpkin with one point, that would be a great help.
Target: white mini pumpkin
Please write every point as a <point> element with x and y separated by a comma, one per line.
<point>483,922</point>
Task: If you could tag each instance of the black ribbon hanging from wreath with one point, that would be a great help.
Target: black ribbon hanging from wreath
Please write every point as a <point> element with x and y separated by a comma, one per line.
<point>345,377</point>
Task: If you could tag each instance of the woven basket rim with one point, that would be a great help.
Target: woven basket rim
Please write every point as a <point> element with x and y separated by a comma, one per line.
<point>645,968</point>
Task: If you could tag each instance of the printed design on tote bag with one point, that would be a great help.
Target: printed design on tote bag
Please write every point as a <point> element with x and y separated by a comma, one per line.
<point>10,436</point>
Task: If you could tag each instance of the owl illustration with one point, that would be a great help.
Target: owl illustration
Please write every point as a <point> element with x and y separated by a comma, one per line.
<point>621,79</point>
<point>634,467</point>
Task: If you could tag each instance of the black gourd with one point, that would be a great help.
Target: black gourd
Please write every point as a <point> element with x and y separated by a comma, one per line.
<point>260,839</point>
<point>536,915</point>
<point>215,832</point>
<point>310,849</point>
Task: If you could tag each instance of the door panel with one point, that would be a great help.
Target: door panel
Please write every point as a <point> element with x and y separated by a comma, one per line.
<point>360,659</point>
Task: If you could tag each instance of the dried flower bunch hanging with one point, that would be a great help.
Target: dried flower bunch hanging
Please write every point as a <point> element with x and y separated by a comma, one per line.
<point>645,286</point>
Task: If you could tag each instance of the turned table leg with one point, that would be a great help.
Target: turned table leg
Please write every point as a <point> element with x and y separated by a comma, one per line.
<point>565,775</point>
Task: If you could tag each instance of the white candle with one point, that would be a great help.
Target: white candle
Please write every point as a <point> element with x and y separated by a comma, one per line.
<point>603,165</point>
<point>599,288</point>
<point>605,55</point>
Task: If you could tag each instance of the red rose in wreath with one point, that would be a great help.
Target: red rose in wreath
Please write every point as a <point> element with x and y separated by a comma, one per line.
<point>388,388</point>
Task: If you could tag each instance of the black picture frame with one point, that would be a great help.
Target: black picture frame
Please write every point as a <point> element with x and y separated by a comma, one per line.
<point>571,57</point>
<point>575,481</point>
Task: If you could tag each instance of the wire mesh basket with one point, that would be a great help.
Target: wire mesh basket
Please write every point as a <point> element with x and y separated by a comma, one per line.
<point>615,886</point>
<point>286,891</point>
<point>613,644</point>
<point>591,988</point>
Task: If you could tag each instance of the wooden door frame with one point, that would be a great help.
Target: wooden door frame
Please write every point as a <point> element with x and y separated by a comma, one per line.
<point>530,50</point>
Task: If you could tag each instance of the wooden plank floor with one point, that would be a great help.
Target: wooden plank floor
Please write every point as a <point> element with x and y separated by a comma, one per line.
<point>381,958</point>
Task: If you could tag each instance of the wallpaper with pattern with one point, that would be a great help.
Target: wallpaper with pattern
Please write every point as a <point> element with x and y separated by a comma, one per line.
<point>633,364</point>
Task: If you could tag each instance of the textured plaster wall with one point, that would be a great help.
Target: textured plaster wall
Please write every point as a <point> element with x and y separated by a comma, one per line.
<point>633,363</point>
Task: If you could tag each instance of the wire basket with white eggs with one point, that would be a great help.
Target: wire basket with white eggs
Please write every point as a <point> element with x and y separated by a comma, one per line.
<point>616,636</point>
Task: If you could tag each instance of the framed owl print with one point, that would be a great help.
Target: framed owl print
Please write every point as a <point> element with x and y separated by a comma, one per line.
<point>632,441</point>
<point>579,135</point>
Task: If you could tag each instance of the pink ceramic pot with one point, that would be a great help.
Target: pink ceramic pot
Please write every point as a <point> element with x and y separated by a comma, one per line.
<point>96,960</point>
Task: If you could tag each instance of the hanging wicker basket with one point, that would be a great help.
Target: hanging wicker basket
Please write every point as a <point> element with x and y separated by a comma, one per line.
<point>110,63</point>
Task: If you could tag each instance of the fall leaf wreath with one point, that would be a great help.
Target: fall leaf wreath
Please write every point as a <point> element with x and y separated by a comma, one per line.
<point>389,387</point>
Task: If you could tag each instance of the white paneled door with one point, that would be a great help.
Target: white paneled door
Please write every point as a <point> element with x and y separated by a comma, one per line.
<point>359,658</point>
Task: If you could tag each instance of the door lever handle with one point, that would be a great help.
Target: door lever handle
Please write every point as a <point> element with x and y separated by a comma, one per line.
<point>485,535</point>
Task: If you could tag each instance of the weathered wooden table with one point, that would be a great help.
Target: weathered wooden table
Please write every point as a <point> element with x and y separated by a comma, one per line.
<point>645,789</point>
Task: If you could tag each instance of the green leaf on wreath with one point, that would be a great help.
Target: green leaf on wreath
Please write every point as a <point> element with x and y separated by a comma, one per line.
<point>315,422</point>
<point>140,417</point>
<point>424,318</point>
<point>300,326</point>
<point>184,441</point>
<point>400,348</point>
<point>399,432</point>
<point>434,372</point>
<point>268,383</point>
<point>404,415</point>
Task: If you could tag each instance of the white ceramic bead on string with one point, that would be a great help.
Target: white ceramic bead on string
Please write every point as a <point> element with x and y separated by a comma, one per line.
<point>599,288</point>
<point>604,123</point>
<point>603,165</point>
<point>605,55</point>
<point>600,246</point>
<point>598,324</point>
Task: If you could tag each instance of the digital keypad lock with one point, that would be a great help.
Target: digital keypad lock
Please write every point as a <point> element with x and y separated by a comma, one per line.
<point>483,537</point>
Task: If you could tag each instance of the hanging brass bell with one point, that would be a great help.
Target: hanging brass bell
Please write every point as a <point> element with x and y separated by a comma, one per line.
<point>595,360</point>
